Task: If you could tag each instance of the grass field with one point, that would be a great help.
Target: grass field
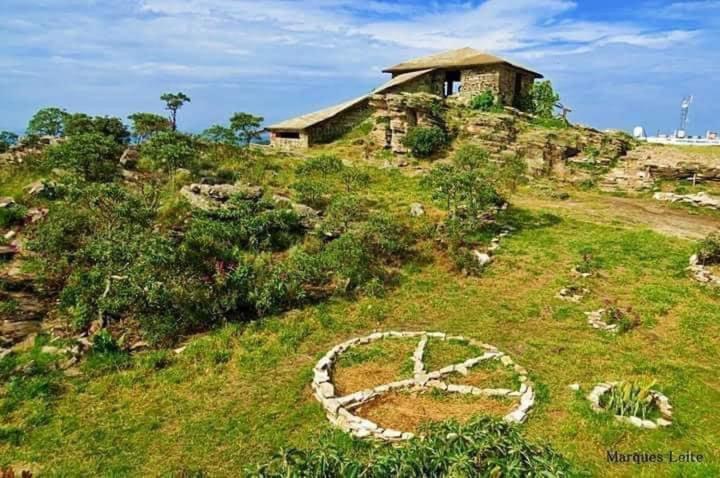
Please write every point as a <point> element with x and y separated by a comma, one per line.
<point>235,396</point>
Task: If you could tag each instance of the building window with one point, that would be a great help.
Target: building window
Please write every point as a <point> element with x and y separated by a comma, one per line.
<point>288,135</point>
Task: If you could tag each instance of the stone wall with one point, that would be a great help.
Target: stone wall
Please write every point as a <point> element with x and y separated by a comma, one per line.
<point>394,114</point>
<point>289,144</point>
<point>333,128</point>
<point>432,83</point>
<point>499,79</point>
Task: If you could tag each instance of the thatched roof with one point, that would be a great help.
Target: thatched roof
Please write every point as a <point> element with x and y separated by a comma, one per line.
<point>311,119</point>
<point>462,58</point>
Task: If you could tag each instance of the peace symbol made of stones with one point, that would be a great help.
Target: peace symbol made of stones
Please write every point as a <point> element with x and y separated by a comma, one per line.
<point>339,409</point>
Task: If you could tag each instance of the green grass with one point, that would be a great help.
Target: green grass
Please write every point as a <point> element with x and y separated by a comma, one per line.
<point>237,395</point>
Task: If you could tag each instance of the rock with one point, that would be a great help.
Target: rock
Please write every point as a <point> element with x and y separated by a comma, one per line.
<point>574,387</point>
<point>392,434</point>
<point>130,158</point>
<point>139,345</point>
<point>417,210</point>
<point>6,202</point>
<point>36,188</point>
<point>206,196</point>
<point>10,235</point>
<point>48,349</point>
<point>482,258</point>
<point>663,422</point>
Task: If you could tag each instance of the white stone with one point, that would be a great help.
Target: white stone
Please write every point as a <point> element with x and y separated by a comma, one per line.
<point>574,387</point>
<point>663,423</point>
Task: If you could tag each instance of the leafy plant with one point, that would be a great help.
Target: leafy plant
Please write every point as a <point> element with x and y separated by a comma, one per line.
<point>173,102</point>
<point>47,121</point>
<point>93,156</point>
<point>630,399</point>
<point>543,99</point>
<point>424,141</point>
<point>7,139</point>
<point>624,319</point>
<point>482,447</point>
<point>483,102</point>
<point>79,123</point>
<point>708,251</point>
<point>170,150</point>
<point>144,125</point>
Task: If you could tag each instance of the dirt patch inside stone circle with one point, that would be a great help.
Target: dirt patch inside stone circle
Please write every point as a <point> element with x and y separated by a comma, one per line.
<point>374,364</point>
<point>407,411</point>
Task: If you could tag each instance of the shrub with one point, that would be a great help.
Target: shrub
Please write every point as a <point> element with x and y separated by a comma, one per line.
<point>11,216</point>
<point>630,399</point>
<point>80,123</point>
<point>424,141</point>
<point>543,99</point>
<point>624,319</point>
<point>7,139</point>
<point>708,250</point>
<point>93,156</point>
<point>170,150</point>
<point>482,447</point>
<point>483,102</point>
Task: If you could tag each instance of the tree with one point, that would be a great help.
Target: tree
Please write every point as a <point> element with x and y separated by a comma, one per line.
<point>173,102</point>
<point>170,150</point>
<point>219,134</point>
<point>80,123</point>
<point>543,99</point>
<point>7,139</point>
<point>423,141</point>
<point>144,125</point>
<point>93,156</point>
<point>47,121</point>
<point>246,126</point>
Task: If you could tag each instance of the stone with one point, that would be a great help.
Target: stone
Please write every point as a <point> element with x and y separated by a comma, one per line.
<point>36,188</point>
<point>649,424</point>
<point>574,387</point>
<point>10,235</point>
<point>663,422</point>
<point>392,434</point>
<point>417,210</point>
<point>6,202</point>
<point>636,421</point>
<point>49,349</point>
<point>517,416</point>
<point>482,258</point>
<point>326,390</point>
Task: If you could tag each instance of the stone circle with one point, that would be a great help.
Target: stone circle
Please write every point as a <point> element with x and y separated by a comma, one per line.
<point>595,319</point>
<point>701,273</point>
<point>662,402</point>
<point>339,408</point>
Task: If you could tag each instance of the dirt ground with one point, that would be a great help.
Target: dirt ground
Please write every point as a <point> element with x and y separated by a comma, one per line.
<point>628,212</point>
<point>407,411</point>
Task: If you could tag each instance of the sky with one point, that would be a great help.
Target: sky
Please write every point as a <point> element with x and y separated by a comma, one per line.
<point>617,64</point>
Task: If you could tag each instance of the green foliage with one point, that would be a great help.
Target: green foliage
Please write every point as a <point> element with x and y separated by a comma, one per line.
<point>485,101</point>
<point>341,213</point>
<point>47,121</point>
<point>543,99</point>
<point>144,125</point>
<point>7,139</point>
<point>551,122</point>
<point>219,134</point>
<point>483,447</point>
<point>320,176</point>
<point>93,156</point>
<point>173,102</point>
<point>630,399</point>
<point>11,216</point>
<point>624,319</point>
<point>80,123</point>
<point>170,150</point>
<point>424,141</point>
<point>708,250</point>
<point>246,127</point>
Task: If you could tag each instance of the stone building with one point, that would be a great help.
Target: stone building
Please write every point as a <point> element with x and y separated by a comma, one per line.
<point>460,73</point>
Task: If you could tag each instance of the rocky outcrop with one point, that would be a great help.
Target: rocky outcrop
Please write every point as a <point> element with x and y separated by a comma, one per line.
<point>699,200</point>
<point>208,197</point>
<point>394,114</point>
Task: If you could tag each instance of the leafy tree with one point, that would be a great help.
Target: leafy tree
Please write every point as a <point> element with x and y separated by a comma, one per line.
<point>47,121</point>
<point>354,178</point>
<point>7,139</point>
<point>219,134</point>
<point>342,212</point>
<point>170,150</point>
<point>93,156</point>
<point>246,126</point>
<point>80,123</point>
<point>144,125</point>
<point>173,102</point>
<point>423,141</point>
<point>543,99</point>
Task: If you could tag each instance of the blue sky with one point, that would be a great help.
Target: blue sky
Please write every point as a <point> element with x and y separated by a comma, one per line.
<point>617,64</point>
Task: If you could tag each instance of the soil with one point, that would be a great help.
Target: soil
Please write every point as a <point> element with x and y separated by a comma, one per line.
<point>407,411</point>
<point>628,212</point>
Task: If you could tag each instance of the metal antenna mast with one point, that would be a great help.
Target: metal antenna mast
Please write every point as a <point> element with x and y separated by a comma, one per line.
<point>684,112</point>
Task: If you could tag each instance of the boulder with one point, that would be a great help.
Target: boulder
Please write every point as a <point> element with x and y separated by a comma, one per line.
<point>130,158</point>
<point>417,210</point>
<point>213,196</point>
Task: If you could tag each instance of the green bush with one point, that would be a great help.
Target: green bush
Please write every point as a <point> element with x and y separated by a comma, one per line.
<point>424,141</point>
<point>11,216</point>
<point>630,399</point>
<point>92,156</point>
<point>483,102</point>
<point>169,151</point>
<point>708,250</point>
<point>483,447</point>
